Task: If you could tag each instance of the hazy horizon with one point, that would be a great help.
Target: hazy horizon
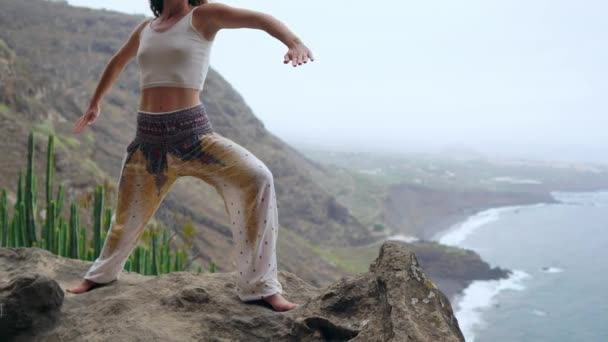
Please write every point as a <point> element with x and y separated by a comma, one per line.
<point>514,79</point>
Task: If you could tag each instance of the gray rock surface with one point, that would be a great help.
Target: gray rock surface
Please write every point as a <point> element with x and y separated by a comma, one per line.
<point>29,302</point>
<point>394,301</point>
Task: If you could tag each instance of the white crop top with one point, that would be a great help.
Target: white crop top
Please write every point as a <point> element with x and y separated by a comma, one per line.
<point>176,57</point>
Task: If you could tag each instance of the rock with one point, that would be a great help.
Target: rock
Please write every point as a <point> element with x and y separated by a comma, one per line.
<point>29,302</point>
<point>374,306</point>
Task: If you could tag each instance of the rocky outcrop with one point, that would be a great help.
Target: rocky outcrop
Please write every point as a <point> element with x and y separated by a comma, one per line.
<point>393,301</point>
<point>29,302</point>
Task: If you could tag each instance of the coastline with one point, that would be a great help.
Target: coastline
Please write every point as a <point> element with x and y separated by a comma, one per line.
<point>480,294</point>
<point>424,212</point>
<point>470,304</point>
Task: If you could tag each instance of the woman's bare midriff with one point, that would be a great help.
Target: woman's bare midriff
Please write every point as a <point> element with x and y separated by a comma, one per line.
<point>166,99</point>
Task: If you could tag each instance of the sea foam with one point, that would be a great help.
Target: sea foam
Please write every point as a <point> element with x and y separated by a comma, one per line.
<point>481,295</point>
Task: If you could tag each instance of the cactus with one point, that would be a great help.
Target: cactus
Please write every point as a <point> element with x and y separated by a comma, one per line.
<point>49,187</point>
<point>155,268</point>
<point>138,260</point>
<point>56,240</point>
<point>12,235</point>
<point>82,243</point>
<point>22,227</point>
<point>65,237</point>
<point>147,262</point>
<point>74,226</point>
<point>50,226</point>
<point>50,169</point>
<point>30,205</point>
<point>59,201</point>
<point>3,219</point>
<point>213,266</point>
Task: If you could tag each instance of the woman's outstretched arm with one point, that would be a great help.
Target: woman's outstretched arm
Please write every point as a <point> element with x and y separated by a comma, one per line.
<point>110,74</point>
<point>217,16</point>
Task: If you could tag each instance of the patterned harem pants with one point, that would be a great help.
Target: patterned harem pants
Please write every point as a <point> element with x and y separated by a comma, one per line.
<point>183,143</point>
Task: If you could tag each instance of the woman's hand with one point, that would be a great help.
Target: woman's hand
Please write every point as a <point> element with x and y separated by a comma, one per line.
<point>298,54</point>
<point>86,119</point>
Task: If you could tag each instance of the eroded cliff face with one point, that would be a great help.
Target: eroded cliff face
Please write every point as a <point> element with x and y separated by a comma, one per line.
<point>393,301</point>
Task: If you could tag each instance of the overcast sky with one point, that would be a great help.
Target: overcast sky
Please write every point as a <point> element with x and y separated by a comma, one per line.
<point>519,78</point>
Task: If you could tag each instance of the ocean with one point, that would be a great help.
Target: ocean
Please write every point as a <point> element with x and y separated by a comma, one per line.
<point>558,253</point>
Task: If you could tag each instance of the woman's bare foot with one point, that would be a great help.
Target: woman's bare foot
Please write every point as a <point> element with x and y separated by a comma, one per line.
<point>84,286</point>
<point>279,303</point>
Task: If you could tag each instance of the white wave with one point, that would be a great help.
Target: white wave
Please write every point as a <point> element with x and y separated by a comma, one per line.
<point>459,232</point>
<point>538,312</point>
<point>552,270</point>
<point>597,198</point>
<point>514,180</point>
<point>481,295</point>
<point>404,238</point>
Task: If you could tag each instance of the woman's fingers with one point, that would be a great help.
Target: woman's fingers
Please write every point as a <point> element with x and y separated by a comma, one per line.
<point>84,121</point>
<point>309,55</point>
<point>77,125</point>
<point>298,56</point>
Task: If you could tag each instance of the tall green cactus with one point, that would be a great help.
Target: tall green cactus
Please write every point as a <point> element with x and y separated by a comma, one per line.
<point>59,201</point>
<point>49,188</point>
<point>30,205</point>
<point>57,239</point>
<point>19,198</point>
<point>10,239</point>
<point>3,219</point>
<point>82,243</point>
<point>50,168</point>
<point>58,242</point>
<point>155,266</point>
<point>62,238</point>
<point>178,260</point>
<point>66,237</point>
<point>74,226</point>
<point>147,262</point>
<point>50,227</point>
<point>23,233</point>
<point>213,266</point>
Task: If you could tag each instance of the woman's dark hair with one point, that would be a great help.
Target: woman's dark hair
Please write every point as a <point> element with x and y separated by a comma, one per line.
<point>157,5</point>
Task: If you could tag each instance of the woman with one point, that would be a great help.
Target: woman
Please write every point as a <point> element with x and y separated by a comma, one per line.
<point>174,138</point>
